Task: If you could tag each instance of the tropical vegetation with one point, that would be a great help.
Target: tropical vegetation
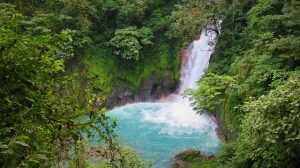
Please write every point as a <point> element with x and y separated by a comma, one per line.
<point>60,58</point>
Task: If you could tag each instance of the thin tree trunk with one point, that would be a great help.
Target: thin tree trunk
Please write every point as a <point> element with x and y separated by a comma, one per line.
<point>224,117</point>
<point>223,132</point>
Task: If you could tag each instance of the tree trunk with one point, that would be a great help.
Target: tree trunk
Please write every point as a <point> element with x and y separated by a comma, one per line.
<point>222,129</point>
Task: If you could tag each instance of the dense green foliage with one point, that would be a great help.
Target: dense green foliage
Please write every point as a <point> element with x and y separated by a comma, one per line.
<point>272,123</point>
<point>140,39</point>
<point>133,41</point>
<point>47,111</point>
<point>121,35</point>
<point>257,62</point>
<point>41,108</point>
<point>128,42</point>
<point>211,96</point>
<point>61,57</point>
<point>191,16</point>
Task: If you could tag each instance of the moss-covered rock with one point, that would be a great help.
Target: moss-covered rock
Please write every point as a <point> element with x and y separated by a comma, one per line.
<point>190,158</point>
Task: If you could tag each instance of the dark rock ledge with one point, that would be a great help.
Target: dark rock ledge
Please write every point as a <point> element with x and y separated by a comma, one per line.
<point>150,90</point>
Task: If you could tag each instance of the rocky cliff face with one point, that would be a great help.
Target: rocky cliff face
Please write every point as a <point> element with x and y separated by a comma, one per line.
<point>150,90</point>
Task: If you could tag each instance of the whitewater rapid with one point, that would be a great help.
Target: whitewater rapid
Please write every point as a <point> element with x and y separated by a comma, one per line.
<point>165,128</point>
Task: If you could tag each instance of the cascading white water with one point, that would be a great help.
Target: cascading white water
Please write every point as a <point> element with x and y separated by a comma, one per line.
<point>198,58</point>
<point>165,128</point>
<point>195,61</point>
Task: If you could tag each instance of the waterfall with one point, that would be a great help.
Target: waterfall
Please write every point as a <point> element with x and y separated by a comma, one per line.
<point>197,58</point>
<point>167,127</point>
<point>178,115</point>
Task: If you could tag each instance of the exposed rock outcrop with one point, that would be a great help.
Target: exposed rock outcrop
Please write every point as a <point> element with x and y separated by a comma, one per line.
<point>120,96</point>
<point>155,87</point>
<point>150,90</point>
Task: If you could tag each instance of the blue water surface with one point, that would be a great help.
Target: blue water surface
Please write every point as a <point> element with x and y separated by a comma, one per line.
<point>157,135</point>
